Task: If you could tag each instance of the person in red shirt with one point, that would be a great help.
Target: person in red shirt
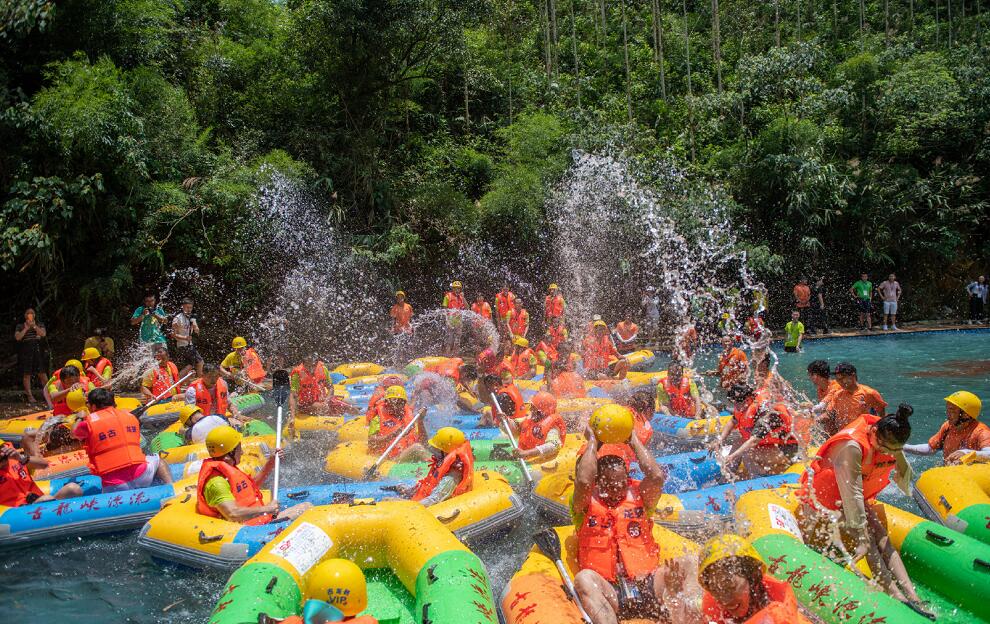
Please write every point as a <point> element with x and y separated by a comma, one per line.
<point>17,488</point>
<point>401,314</point>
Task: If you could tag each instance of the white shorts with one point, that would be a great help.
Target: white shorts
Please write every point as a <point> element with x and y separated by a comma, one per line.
<point>890,307</point>
<point>144,480</point>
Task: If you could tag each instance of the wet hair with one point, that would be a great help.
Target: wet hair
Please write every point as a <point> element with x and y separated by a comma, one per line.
<point>610,462</point>
<point>740,392</point>
<point>210,368</point>
<point>68,372</point>
<point>187,300</point>
<point>896,427</point>
<point>819,367</point>
<point>100,398</point>
<point>645,397</point>
<point>746,567</point>
<point>845,368</point>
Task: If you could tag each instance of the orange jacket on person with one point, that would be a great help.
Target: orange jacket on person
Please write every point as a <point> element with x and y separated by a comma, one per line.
<point>732,367</point>
<point>832,386</point>
<point>599,352</point>
<point>114,441</point>
<point>312,385</point>
<point>802,296</point>
<point>242,486</point>
<point>847,406</point>
<point>215,401</point>
<point>624,531</point>
<point>518,407</point>
<point>626,329</point>
<point>455,301</point>
<point>568,385</point>
<point>974,436</point>
<point>518,321</point>
<point>504,303</point>
<point>519,363</point>
<point>252,365</point>
<point>642,427</point>
<point>401,314</point>
<point>553,306</point>
<point>746,421</point>
<point>876,466</point>
<point>783,607</point>
<point>390,425</point>
<point>681,401</point>
<point>462,457</point>
<point>482,309</point>
<point>100,366</point>
<point>16,483</point>
<point>162,378</point>
<point>61,406</point>
<point>533,433</point>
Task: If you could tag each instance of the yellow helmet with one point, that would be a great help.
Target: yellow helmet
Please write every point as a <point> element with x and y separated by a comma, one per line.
<point>612,423</point>
<point>400,293</point>
<point>519,341</point>
<point>76,363</point>
<point>238,343</point>
<point>599,323</point>
<point>396,392</point>
<point>222,440</point>
<point>341,583</point>
<point>723,547</point>
<point>186,412</point>
<point>90,353</point>
<point>553,287</point>
<point>76,399</point>
<point>455,285</point>
<point>447,438</point>
<point>967,402</point>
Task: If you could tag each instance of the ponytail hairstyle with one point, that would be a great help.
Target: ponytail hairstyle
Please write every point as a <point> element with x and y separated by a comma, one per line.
<point>896,427</point>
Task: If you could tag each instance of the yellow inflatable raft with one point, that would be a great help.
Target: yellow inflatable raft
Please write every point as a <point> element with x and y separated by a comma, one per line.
<point>11,429</point>
<point>358,369</point>
<point>958,497</point>
<point>177,533</point>
<point>536,592</point>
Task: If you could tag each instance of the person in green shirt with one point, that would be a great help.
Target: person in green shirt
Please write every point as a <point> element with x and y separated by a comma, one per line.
<point>795,333</point>
<point>150,317</point>
<point>862,291</point>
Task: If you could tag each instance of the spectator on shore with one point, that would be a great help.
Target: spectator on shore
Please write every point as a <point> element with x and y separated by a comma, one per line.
<point>651,311</point>
<point>862,292</point>
<point>802,296</point>
<point>977,290</point>
<point>29,357</point>
<point>100,341</point>
<point>150,317</point>
<point>817,314</point>
<point>184,326</point>
<point>794,330</point>
<point>890,293</point>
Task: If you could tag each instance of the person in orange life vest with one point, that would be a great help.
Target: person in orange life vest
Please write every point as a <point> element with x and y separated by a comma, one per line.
<point>401,314</point>
<point>601,358</point>
<point>454,302</point>
<point>158,379</point>
<point>461,374</point>
<point>733,366</point>
<point>626,333</point>
<point>738,589</point>
<point>451,471</point>
<point>678,395</point>
<point>504,302</point>
<point>391,416</point>
<point>242,364</point>
<point>98,368</point>
<point>642,402</point>
<point>517,319</point>
<point>563,379</point>
<point>539,434</point>
<point>210,394</point>
<point>225,491</point>
<point>820,376</point>
<point>556,333</point>
<point>481,307</point>
<point>311,390</point>
<point>687,343</point>
<point>554,305</point>
<point>112,438</point>
<point>54,436</point>
<point>521,362</point>
<point>617,553</point>
<point>852,467</point>
<point>17,488</point>
<point>52,384</point>
<point>506,400</point>
<point>844,404</point>
<point>69,379</point>
<point>766,443</point>
<point>379,394</point>
<point>961,434</point>
<point>334,588</point>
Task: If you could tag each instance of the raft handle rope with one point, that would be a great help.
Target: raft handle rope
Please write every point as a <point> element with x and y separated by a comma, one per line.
<point>451,517</point>
<point>945,503</point>
<point>206,539</point>
<point>941,540</point>
<point>981,563</point>
<point>297,495</point>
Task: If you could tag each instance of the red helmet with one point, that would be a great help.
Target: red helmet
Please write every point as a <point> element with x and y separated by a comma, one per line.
<point>544,402</point>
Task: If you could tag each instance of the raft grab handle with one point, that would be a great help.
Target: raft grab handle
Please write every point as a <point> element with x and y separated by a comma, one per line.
<point>941,540</point>
<point>206,539</point>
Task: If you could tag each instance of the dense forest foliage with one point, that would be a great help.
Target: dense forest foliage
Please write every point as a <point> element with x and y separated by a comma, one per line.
<point>850,134</point>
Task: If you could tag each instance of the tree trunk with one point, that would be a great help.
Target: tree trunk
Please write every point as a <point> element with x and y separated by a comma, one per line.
<point>658,46</point>
<point>862,23</point>
<point>554,35</point>
<point>577,61</point>
<point>798,20</point>
<point>625,54</point>
<point>687,59</point>
<point>776,22</point>
<point>911,16</point>
<point>604,18</point>
<point>886,21</point>
<point>835,20</point>
<point>948,5</point>
<point>467,97</point>
<point>717,46</point>
<point>938,27</point>
<point>546,41</point>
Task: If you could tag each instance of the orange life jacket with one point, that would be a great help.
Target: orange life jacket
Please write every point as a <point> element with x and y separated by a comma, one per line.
<point>503,303</point>
<point>311,385</point>
<point>548,349</point>
<point>61,407</point>
<point>746,420</point>
<point>568,385</point>
<point>556,334</point>
<point>783,608</point>
<point>242,486</point>
<point>626,329</point>
<point>16,483</point>
<point>390,425</point>
<point>252,365</point>
<point>482,309</point>
<point>642,427</point>
<point>732,365</point>
<point>456,302</point>
<point>518,363</point>
<point>755,326</point>
<point>488,362</point>
<point>401,316</point>
<point>114,441</point>
<point>211,402</point>
<point>163,378</point>
<point>517,409</point>
<point>97,379</point>
<point>624,531</point>
<point>681,401</point>
<point>598,352</point>
<point>519,322</point>
<point>449,368</point>
<point>876,466</point>
<point>553,306</point>
<point>462,455</point>
<point>533,433</point>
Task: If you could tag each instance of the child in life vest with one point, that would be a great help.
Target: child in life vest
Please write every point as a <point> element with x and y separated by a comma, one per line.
<point>336,591</point>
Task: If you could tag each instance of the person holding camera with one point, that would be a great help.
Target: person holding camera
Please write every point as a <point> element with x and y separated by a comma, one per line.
<point>150,317</point>
<point>184,327</point>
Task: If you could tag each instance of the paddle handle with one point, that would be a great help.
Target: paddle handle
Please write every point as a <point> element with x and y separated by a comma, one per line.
<point>569,583</point>
<point>512,440</point>
<point>402,434</point>
<point>278,445</point>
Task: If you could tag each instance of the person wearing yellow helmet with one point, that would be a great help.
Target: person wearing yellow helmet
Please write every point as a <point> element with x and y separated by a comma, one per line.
<point>737,588</point>
<point>51,384</point>
<point>618,557</point>
<point>67,379</point>
<point>97,368</point>
<point>600,358</point>
<point>539,434</point>
<point>225,491</point>
<point>388,418</point>
<point>451,471</point>
<point>161,377</point>
<point>101,341</point>
<point>554,305</point>
<point>962,432</point>
<point>242,365</point>
<point>521,361</point>
<point>401,314</point>
<point>198,425</point>
<point>336,591</point>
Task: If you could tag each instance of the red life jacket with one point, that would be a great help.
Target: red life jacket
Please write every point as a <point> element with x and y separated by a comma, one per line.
<point>16,483</point>
<point>556,334</point>
<point>390,425</point>
<point>518,362</point>
<point>746,420</point>
<point>456,302</point>
<point>114,441</point>
<point>681,401</point>
<point>625,531</point>
<point>876,466</point>
<point>548,349</point>
<point>488,362</point>
<point>462,456</point>
<point>211,402</point>
<point>252,365</point>
<point>163,378</point>
<point>504,303</point>
<point>517,409</point>
<point>598,353</point>
<point>553,306</point>
<point>97,379</point>
<point>533,433</point>
<point>519,322</point>
<point>642,427</point>
<point>568,385</point>
<point>783,608</point>
<point>755,327</point>
<point>61,407</point>
<point>242,486</point>
<point>311,385</point>
<point>482,309</point>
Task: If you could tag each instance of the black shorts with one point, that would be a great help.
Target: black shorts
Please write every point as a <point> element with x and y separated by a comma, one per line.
<point>865,306</point>
<point>29,357</point>
<point>31,497</point>
<point>790,349</point>
<point>648,606</point>
<point>187,356</point>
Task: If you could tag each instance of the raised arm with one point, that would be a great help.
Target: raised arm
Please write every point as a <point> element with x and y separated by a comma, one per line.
<point>585,474</point>
<point>653,475</point>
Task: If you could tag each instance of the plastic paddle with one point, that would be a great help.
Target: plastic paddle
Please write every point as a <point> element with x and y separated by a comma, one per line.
<point>512,440</point>
<point>280,393</point>
<point>370,472</point>
<point>548,541</point>
<point>139,412</point>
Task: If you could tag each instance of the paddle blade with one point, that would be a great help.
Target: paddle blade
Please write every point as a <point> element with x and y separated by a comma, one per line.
<point>549,542</point>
